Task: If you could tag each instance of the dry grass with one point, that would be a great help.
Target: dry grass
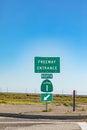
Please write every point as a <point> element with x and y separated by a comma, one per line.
<point>15,98</point>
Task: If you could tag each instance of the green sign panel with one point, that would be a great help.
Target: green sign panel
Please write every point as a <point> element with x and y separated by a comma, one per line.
<point>46,86</point>
<point>46,97</point>
<point>46,76</point>
<point>47,64</point>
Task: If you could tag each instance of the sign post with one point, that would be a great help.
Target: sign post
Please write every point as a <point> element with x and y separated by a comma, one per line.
<point>46,97</point>
<point>73,100</point>
<point>47,87</point>
<point>46,66</point>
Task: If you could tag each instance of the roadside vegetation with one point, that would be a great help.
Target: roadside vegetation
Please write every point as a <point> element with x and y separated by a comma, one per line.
<point>19,98</point>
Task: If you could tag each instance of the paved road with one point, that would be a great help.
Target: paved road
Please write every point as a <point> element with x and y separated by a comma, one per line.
<point>21,124</point>
<point>40,126</point>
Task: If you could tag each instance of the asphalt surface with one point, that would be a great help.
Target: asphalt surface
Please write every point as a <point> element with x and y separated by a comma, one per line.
<point>46,127</point>
<point>9,121</point>
<point>11,124</point>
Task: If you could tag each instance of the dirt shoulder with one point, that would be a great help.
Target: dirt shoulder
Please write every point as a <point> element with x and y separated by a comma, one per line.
<point>38,109</point>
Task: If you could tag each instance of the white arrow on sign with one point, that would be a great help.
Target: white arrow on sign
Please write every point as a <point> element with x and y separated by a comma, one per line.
<point>45,98</point>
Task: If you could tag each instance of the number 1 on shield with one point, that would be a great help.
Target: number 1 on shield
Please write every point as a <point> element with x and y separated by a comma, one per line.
<point>46,88</point>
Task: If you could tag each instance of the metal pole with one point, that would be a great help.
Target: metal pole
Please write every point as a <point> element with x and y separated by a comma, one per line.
<point>46,106</point>
<point>73,100</point>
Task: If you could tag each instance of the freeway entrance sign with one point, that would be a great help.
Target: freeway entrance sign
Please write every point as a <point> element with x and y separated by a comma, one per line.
<point>47,64</point>
<point>46,86</point>
<point>46,97</point>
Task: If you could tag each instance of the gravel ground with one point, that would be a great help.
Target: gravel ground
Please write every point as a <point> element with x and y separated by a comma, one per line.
<point>38,109</point>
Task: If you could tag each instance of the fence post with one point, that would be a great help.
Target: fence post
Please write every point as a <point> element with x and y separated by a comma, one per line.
<point>73,100</point>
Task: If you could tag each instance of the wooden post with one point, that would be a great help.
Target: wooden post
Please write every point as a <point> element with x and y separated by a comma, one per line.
<point>73,100</point>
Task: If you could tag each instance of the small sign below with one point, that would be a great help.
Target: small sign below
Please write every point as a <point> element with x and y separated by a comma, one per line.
<point>46,97</point>
<point>46,76</point>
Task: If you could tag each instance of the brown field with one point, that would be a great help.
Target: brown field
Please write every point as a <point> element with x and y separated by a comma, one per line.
<point>30,104</point>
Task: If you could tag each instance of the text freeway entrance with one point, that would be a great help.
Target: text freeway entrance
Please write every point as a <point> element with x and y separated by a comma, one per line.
<point>47,65</point>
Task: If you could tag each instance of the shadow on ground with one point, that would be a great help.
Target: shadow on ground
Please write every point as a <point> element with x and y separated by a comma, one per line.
<point>13,115</point>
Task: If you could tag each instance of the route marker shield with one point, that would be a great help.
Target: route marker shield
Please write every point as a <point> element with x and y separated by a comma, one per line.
<point>46,86</point>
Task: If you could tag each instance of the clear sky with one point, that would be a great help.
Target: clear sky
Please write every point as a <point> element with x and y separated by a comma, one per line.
<point>30,28</point>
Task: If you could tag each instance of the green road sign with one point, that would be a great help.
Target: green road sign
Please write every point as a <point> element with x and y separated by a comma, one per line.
<point>47,64</point>
<point>46,97</point>
<point>46,76</point>
<point>46,86</point>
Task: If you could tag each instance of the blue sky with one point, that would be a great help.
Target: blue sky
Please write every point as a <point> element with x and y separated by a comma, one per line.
<point>30,28</point>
